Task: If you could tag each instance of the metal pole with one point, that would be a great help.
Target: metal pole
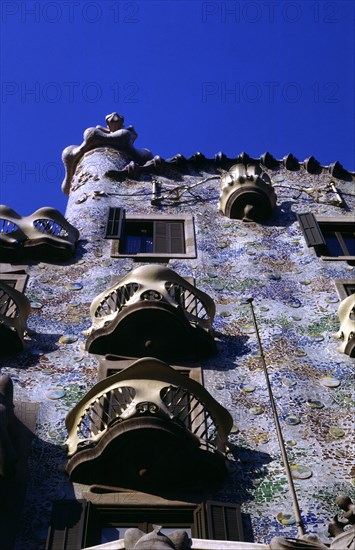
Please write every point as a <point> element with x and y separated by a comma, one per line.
<point>295,505</point>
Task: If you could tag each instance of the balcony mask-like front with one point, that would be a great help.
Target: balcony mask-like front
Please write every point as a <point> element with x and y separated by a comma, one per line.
<point>45,234</point>
<point>246,194</point>
<point>346,315</point>
<point>152,311</point>
<point>14,311</point>
<point>145,428</point>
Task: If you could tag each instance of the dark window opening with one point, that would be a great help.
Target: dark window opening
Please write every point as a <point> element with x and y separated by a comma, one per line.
<point>339,241</point>
<point>150,236</point>
<point>349,288</point>
<point>77,524</point>
<point>10,282</point>
<point>112,532</point>
<point>15,281</point>
<point>345,287</point>
<point>109,523</point>
<point>138,238</point>
<point>332,239</point>
<point>144,237</point>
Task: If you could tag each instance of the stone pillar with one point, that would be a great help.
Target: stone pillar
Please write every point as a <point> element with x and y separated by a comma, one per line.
<point>90,196</point>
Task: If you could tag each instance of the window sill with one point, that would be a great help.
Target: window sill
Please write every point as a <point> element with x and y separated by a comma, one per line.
<point>349,259</point>
<point>189,255</point>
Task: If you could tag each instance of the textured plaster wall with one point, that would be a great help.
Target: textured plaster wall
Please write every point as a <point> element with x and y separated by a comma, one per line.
<point>296,307</point>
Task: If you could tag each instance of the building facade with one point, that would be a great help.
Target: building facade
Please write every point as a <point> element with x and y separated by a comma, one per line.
<point>139,383</point>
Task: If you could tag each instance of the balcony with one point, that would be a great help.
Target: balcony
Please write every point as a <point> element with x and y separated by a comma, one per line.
<point>152,311</point>
<point>45,234</point>
<point>145,428</point>
<point>14,311</point>
<point>246,194</point>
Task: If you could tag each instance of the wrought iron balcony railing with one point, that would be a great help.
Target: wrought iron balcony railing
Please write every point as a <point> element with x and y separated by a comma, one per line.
<point>146,418</point>
<point>152,310</point>
<point>43,233</point>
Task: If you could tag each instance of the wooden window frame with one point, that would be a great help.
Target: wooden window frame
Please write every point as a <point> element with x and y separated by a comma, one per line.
<point>341,285</point>
<point>313,228</point>
<point>141,517</point>
<point>207,520</point>
<point>188,238</point>
<point>20,280</point>
<point>17,281</point>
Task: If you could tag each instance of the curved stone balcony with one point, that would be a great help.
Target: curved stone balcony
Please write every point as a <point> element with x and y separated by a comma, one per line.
<point>146,427</point>
<point>154,311</point>
<point>246,194</point>
<point>346,332</point>
<point>14,311</point>
<point>43,234</point>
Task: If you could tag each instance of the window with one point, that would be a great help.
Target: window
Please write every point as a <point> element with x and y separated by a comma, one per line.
<point>77,524</point>
<point>109,523</point>
<point>345,287</point>
<point>136,236</point>
<point>17,281</point>
<point>14,280</point>
<point>14,310</point>
<point>332,238</point>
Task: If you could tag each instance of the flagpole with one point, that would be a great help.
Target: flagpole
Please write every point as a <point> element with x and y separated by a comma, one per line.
<point>295,505</point>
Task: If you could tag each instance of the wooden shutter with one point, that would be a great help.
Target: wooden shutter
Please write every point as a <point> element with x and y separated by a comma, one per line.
<point>114,223</point>
<point>199,530</point>
<point>168,237</point>
<point>224,521</point>
<point>310,229</point>
<point>67,527</point>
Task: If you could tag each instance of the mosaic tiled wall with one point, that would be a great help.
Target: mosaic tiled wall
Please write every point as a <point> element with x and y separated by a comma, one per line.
<point>296,306</point>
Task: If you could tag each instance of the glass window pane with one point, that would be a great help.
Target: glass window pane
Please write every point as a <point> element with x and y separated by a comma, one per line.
<point>138,243</point>
<point>349,288</point>
<point>349,242</point>
<point>109,534</point>
<point>9,282</point>
<point>333,245</point>
<point>138,237</point>
<point>167,530</point>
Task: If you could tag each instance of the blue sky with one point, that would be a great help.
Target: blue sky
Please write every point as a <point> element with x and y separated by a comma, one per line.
<point>209,76</point>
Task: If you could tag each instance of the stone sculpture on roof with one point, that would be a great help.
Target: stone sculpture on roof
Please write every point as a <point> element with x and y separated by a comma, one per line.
<point>115,135</point>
